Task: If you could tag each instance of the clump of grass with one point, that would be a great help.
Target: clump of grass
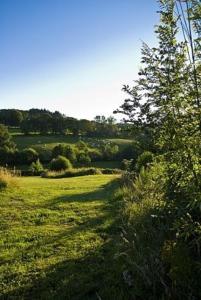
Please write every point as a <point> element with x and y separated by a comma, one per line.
<point>79,172</point>
<point>72,173</point>
<point>7,178</point>
<point>143,232</point>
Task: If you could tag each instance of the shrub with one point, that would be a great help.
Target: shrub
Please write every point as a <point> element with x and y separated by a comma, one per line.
<point>95,154</point>
<point>110,151</point>
<point>144,160</point>
<point>132,151</point>
<point>144,233</point>
<point>66,151</point>
<point>28,155</point>
<point>8,155</point>
<point>58,150</point>
<point>44,153</point>
<point>126,164</point>
<point>70,154</point>
<point>72,173</point>
<point>60,163</point>
<point>111,171</point>
<point>83,158</point>
<point>81,145</point>
<point>36,168</point>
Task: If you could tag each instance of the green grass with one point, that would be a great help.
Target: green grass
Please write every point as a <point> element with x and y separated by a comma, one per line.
<point>59,238</point>
<point>36,140</point>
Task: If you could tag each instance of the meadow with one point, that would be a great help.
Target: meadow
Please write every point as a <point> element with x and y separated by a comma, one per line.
<point>59,238</point>
<point>50,141</point>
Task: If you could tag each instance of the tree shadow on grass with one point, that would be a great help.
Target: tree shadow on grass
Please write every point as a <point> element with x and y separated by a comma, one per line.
<point>104,192</point>
<point>85,278</point>
<point>95,275</point>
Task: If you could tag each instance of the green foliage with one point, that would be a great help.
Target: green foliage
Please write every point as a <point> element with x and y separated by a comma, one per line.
<point>28,155</point>
<point>83,158</point>
<point>144,160</point>
<point>166,99</point>
<point>36,168</point>
<point>70,153</point>
<point>95,154</point>
<point>72,173</point>
<point>64,150</point>
<point>144,232</point>
<point>11,117</point>
<point>5,137</point>
<point>60,163</point>
<point>81,145</point>
<point>7,179</point>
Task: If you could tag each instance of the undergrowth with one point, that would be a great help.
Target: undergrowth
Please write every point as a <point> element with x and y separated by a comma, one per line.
<point>160,249</point>
<point>7,178</point>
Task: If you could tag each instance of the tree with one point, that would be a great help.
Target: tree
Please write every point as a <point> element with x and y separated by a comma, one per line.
<point>165,98</point>
<point>60,163</point>
<point>5,137</point>
<point>58,124</point>
<point>11,117</point>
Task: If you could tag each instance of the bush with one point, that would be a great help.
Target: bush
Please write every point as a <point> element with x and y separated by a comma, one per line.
<point>144,232</point>
<point>44,153</point>
<point>95,155</point>
<point>83,158</point>
<point>70,154</point>
<point>132,151</point>
<point>126,164</point>
<point>28,155</point>
<point>66,151</point>
<point>72,173</point>
<point>110,151</point>
<point>111,171</point>
<point>144,160</point>
<point>82,146</point>
<point>36,168</point>
<point>58,150</point>
<point>8,156</point>
<point>60,163</point>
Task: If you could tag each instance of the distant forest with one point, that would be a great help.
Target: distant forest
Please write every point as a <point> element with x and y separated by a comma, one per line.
<point>45,122</point>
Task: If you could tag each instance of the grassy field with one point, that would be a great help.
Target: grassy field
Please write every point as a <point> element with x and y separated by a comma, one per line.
<point>50,141</point>
<point>59,239</point>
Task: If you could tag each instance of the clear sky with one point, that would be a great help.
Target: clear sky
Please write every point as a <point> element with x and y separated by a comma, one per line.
<point>71,55</point>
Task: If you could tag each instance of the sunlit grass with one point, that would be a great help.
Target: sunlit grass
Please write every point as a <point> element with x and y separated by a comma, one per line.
<point>59,239</point>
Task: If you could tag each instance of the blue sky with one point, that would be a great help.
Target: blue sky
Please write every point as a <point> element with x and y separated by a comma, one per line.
<point>71,55</point>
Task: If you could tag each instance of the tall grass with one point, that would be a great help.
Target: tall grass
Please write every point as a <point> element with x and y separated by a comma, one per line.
<point>143,234</point>
<point>7,178</point>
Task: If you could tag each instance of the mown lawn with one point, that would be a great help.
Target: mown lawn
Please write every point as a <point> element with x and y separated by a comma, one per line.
<point>59,238</point>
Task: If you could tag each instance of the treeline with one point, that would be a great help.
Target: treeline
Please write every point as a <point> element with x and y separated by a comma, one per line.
<point>44,122</point>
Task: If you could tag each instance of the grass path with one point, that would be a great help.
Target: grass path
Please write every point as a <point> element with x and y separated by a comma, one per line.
<point>58,239</point>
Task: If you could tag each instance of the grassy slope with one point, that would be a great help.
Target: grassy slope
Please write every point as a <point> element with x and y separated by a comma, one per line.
<point>50,141</point>
<point>59,238</point>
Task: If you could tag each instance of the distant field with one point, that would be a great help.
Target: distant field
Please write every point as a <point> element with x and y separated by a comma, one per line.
<point>59,239</point>
<point>23,141</point>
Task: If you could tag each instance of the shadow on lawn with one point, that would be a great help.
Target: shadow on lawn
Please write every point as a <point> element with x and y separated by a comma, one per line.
<point>97,275</point>
<point>104,192</point>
